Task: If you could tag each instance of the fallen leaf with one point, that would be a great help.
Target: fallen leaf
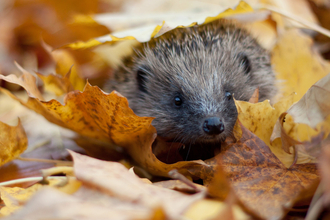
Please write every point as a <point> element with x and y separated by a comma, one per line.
<point>324,169</point>
<point>206,13</point>
<point>56,83</point>
<point>66,62</point>
<point>27,81</point>
<point>260,118</point>
<point>212,209</point>
<point>297,66</point>
<point>13,142</point>
<point>14,198</point>
<point>114,179</point>
<point>79,28</point>
<point>66,206</point>
<point>306,122</point>
<point>107,118</point>
<point>255,96</point>
<point>313,108</point>
<point>179,186</point>
<point>301,10</point>
<point>259,179</point>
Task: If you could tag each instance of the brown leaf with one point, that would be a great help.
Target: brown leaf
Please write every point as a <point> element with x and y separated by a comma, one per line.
<point>255,96</point>
<point>259,179</point>
<point>114,179</point>
<point>13,142</point>
<point>179,186</point>
<point>27,81</point>
<point>324,168</point>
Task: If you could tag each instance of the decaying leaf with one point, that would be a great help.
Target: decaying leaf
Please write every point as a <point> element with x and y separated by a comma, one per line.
<point>13,142</point>
<point>259,178</point>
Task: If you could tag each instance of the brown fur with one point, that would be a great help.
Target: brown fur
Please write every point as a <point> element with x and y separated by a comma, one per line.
<point>199,64</point>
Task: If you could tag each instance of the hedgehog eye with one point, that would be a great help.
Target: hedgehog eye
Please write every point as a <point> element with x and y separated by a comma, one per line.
<point>177,101</point>
<point>141,77</point>
<point>245,62</point>
<point>228,95</point>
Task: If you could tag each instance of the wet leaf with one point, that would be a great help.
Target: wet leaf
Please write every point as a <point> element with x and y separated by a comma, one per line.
<point>13,142</point>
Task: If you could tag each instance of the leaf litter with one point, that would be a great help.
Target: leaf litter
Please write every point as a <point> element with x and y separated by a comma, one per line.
<point>252,179</point>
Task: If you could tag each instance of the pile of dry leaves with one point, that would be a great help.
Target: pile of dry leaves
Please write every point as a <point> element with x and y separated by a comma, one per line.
<point>278,167</point>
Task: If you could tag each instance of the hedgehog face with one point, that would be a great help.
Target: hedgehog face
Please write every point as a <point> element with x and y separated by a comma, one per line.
<point>187,80</point>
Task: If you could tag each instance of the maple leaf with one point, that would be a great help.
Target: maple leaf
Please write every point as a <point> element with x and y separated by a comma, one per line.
<point>259,179</point>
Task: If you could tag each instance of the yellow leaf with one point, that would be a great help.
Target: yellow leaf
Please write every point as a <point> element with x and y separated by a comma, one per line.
<point>261,117</point>
<point>56,83</point>
<point>296,65</point>
<point>64,62</point>
<point>145,33</point>
<point>15,197</point>
<point>13,142</point>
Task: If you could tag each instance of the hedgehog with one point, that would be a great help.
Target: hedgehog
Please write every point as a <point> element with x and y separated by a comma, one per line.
<point>188,78</point>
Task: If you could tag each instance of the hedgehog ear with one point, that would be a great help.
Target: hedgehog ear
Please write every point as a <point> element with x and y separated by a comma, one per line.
<point>245,62</point>
<point>141,77</point>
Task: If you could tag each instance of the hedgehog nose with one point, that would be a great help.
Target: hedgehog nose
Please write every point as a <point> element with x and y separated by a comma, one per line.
<point>213,126</point>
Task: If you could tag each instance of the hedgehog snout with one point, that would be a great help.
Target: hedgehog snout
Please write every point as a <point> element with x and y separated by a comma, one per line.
<point>213,126</point>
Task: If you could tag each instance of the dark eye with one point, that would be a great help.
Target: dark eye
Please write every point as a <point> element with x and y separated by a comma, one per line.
<point>177,101</point>
<point>245,62</point>
<point>141,80</point>
<point>228,95</point>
